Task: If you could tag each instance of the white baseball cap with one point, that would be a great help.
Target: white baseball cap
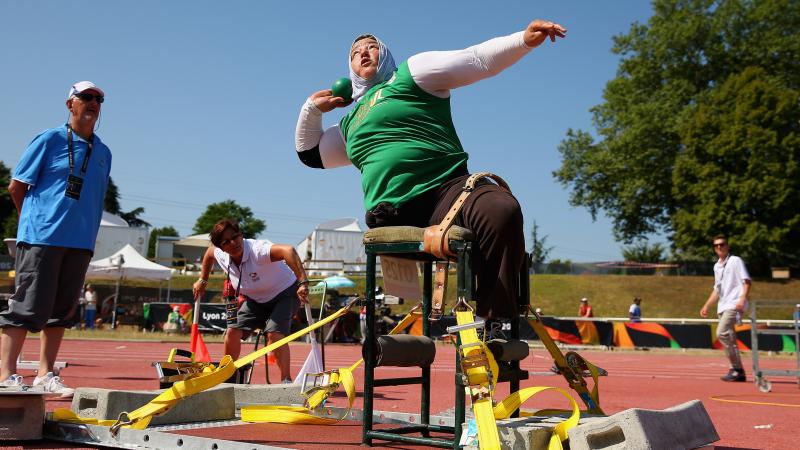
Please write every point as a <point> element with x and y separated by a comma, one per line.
<point>584,299</point>
<point>81,86</point>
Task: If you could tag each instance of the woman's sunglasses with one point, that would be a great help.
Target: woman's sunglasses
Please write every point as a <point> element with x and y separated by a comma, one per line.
<point>230,240</point>
<point>89,97</point>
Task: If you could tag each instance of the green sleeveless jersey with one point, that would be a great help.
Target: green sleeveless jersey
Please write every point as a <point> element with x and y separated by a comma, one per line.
<point>402,140</point>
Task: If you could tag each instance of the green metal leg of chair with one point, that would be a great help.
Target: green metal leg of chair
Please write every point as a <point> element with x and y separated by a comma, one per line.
<point>424,428</point>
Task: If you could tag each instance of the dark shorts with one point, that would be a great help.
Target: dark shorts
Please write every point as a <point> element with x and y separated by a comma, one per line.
<point>272,316</point>
<point>48,284</point>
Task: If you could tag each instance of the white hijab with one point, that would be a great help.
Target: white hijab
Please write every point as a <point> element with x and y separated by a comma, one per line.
<point>386,68</point>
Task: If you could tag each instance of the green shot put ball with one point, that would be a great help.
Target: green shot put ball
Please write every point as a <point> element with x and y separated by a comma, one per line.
<point>343,88</point>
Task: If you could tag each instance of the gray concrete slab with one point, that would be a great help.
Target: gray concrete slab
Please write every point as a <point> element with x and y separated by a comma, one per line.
<point>216,403</point>
<point>266,394</point>
<point>683,426</point>
<point>21,415</point>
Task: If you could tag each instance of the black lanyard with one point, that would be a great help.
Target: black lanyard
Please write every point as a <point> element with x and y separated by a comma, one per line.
<point>228,275</point>
<point>71,153</point>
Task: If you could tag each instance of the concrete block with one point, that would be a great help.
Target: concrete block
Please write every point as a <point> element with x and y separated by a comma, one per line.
<point>21,416</point>
<point>216,403</point>
<point>530,433</point>
<point>269,394</point>
<point>681,427</point>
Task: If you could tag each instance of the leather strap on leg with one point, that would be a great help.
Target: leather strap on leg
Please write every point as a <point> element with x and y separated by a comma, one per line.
<point>435,239</point>
<point>439,291</point>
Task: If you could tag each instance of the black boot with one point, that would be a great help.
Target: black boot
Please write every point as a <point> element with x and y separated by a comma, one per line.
<point>735,375</point>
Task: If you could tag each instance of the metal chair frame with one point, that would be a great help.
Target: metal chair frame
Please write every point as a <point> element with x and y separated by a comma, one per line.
<point>465,289</point>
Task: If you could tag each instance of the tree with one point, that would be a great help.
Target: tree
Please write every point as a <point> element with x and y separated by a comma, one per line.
<point>132,217</point>
<point>111,200</point>
<point>111,205</point>
<point>739,172</point>
<point>8,212</point>
<point>539,250</point>
<point>642,251</point>
<point>154,234</point>
<point>229,209</point>
<point>650,115</point>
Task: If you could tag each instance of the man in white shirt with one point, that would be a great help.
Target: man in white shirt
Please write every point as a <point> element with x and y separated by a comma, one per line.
<point>731,290</point>
<point>635,311</point>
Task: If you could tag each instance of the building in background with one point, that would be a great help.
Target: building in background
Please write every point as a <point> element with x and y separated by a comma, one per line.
<point>334,247</point>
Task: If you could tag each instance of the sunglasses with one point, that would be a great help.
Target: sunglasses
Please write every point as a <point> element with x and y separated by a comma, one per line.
<point>89,97</point>
<point>720,245</point>
<point>230,240</point>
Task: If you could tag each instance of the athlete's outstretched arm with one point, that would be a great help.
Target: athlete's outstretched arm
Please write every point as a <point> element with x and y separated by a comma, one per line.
<point>318,148</point>
<point>438,72</point>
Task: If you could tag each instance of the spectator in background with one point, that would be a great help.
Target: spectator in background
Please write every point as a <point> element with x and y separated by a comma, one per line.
<point>585,310</point>
<point>731,290</point>
<point>272,280</point>
<point>175,322</point>
<point>635,311</point>
<point>58,189</point>
<point>90,296</point>
<point>81,312</point>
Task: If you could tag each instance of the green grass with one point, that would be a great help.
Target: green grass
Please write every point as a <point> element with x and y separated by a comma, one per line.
<point>132,333</point>
<point>662,296</point>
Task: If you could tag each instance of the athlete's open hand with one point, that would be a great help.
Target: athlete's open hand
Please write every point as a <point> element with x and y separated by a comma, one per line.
<point>326,102</point>
<point>539,30</point>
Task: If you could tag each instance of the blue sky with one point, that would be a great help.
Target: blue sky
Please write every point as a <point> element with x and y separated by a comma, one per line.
<point>202,99</point>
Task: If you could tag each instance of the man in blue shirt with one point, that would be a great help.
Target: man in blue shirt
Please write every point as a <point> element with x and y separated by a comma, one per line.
<point>635,311</point>
<point>58,188</point>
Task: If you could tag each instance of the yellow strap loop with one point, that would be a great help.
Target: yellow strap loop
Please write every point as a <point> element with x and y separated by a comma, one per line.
<point>479,378</point>
<point>140,418</point>
<point>505,408</point>
<point>342,377</point>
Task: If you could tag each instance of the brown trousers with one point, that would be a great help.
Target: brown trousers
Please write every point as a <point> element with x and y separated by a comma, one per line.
<point>494,216</point>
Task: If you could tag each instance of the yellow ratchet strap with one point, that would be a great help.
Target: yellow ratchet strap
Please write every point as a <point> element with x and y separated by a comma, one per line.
<point>504,409</point>
<point>480,371</point>
<point>305,414</point>
<point>140,418</point>
<point>571,367</point>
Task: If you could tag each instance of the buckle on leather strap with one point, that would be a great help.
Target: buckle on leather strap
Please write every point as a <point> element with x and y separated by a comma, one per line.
<point>439,291</point>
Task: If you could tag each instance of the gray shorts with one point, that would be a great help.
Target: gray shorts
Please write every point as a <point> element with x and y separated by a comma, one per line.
<point>272,316</point>
<point>48,284</point>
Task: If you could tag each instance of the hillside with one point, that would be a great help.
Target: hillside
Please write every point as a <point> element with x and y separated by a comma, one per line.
<point>609,295</point>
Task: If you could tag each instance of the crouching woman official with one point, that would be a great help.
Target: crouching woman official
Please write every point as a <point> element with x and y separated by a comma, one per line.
<point>271,279</point>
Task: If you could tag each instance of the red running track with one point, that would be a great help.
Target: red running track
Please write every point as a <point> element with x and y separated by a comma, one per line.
<point>744,417</point>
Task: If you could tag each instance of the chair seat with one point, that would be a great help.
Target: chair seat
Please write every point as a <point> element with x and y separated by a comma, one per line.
<point>393,235</point>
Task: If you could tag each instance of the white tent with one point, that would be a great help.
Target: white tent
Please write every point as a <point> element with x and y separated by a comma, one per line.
<point>333,248</point>
<point>130,265</point>
<point>126,263</point>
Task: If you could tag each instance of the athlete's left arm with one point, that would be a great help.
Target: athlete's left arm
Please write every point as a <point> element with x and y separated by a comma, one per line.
<point>438,72</point>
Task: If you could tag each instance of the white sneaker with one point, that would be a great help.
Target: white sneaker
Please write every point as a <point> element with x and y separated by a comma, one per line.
<point>12,381</point>
<point>52,383</point>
